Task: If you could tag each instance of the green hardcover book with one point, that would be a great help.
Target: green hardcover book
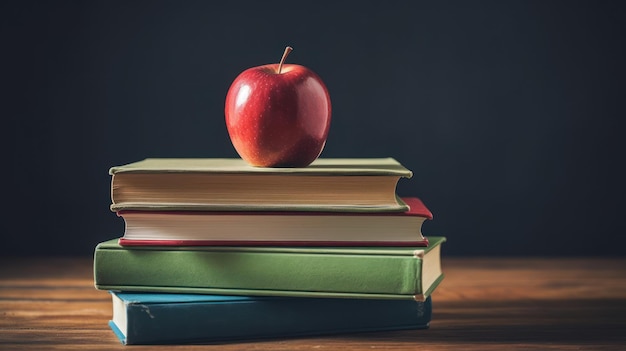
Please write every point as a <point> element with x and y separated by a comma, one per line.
<point>367,184</point>
<point>341,272</point>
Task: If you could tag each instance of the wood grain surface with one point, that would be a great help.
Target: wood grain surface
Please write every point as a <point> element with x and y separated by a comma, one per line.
<point>482,304</point>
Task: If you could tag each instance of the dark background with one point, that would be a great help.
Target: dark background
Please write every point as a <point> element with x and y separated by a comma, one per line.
<point>510,113</point>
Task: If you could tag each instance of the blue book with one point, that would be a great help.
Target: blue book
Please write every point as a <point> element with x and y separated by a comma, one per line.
<point>159,318</point>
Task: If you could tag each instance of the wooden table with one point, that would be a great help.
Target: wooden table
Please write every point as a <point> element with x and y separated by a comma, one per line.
<point>483,304</point>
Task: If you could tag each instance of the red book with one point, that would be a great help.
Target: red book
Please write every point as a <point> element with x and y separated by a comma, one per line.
<point>257,228</point>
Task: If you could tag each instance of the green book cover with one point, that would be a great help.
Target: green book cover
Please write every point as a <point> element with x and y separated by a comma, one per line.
<point>333,184</point>
<point>341,272</point>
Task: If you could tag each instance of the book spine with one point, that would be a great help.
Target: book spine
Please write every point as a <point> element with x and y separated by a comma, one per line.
<point>188,322</point>
<point>257,273</point>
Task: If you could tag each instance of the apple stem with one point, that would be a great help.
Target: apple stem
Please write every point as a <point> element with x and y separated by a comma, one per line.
<point>288,49</point>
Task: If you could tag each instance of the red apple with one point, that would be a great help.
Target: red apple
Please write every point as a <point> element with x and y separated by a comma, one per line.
<point>278,115</point>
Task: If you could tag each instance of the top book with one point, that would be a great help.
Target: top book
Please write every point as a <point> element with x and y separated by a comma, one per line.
<point>350,185</point>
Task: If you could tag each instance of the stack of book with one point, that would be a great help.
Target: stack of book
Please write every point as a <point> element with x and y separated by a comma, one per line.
<point>216,250</point>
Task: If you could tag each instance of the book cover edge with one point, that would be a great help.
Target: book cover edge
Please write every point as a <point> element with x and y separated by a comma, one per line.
<point>394,168</point>
<point>113,244</point>
<point>177,242</point>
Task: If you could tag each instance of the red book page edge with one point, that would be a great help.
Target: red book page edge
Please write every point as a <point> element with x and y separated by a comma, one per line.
<point>416,208</point>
